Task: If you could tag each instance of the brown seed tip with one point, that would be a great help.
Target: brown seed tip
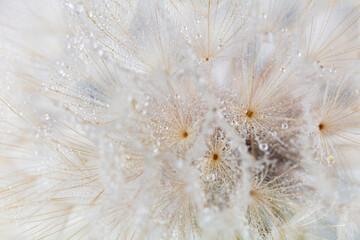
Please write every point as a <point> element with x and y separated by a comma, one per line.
<point>215,157</point>
<point>252,193</point>
<point>185,134</point>
<point>249,113</point>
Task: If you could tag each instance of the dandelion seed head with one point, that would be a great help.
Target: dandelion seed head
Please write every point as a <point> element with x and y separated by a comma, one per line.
<point>167,119</point>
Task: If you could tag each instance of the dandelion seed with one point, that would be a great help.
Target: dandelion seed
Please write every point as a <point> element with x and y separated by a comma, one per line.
<point>145,52</point>
<point>175,204</point>
<point>175,120</point>
<point>331,38</point>
<point>337,117</point>
<point>220,164</point>
<point>213,20</point>
<point>274,199</point>
<point>264,99</point>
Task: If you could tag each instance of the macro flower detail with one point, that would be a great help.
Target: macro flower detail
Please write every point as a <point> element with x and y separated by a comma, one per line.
<point>273,201</point>
<point>179,119</point>
<point>209,27</point>
<point>265,103</point>
<point>219,168</point>
<point>175,116</point>
<point>337,116</point>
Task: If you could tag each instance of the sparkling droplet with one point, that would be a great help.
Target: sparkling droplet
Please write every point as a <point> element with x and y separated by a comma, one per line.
<point>284,126</point>
<point>263,147</point>
<point>330,159</point>
<point>45,117</point>
<point>129,165</point>
<point>210,177</point>
<point>70,5</point>
<point>180,163</point>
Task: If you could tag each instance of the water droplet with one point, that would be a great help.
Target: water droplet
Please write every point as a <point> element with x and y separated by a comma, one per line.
<point>70,5</point>
<point>330,159</point>
<point>198,36</point>
<point>234,123</point>
<point>284,126</point>
<point>129,164</point>
<point>283,69</point>
<point>263,147</point>
<point>180,163</point>
<point>45,117</point>
<point>210,177</point>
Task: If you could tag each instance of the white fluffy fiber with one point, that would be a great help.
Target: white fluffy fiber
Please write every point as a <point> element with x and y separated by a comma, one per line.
<point>179,119</point>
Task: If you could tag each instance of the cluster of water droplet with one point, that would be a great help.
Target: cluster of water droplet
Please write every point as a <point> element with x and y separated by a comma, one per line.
<point>186,112</point>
